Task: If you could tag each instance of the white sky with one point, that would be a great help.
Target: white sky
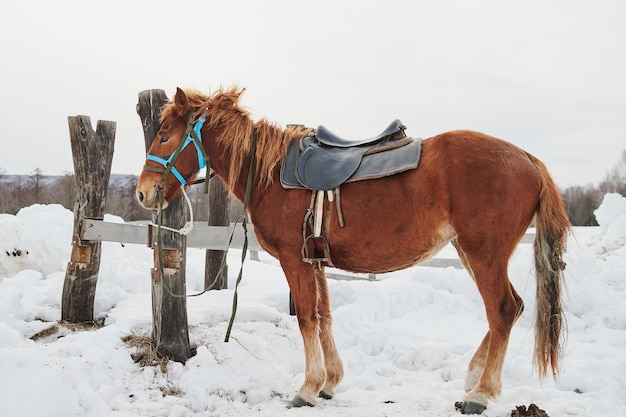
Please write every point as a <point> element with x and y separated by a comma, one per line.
<point>545,75</point>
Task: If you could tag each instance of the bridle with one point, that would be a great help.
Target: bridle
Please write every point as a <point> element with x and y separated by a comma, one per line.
<point>192,135</point>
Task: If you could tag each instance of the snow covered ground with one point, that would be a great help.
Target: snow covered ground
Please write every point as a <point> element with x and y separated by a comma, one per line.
<point>405,339</point>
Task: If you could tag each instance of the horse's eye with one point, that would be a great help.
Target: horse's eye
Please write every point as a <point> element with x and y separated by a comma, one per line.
<point>164,139</point>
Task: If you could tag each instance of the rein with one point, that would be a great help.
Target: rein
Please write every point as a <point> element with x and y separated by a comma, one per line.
<point>193,134</point>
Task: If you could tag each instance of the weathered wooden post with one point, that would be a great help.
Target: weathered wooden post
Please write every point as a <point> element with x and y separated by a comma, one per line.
<point>92,153</point>
<point>219,215</point>
<point>254,254</point>
<point>169,305</point>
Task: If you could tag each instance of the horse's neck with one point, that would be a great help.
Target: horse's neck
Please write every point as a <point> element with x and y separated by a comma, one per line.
<point>241,183</point>
<point>220,163</point>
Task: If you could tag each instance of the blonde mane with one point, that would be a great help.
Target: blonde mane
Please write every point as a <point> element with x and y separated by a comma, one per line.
<point>226,114</point>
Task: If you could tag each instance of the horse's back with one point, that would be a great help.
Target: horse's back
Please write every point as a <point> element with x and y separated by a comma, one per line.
<point>472,147</point>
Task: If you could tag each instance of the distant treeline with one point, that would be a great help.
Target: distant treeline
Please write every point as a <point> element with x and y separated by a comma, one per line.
<point>17,191</point>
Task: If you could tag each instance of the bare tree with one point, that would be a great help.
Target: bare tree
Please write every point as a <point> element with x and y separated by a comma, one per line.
<point>66,193</point>
<point>38,181</point>
<point>121,199</point>
<point>5,195</point>
<point>13,194</point>
<point>580,203</point>
<point>615,180</point>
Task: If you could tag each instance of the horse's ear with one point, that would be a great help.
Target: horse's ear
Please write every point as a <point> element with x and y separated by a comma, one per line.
<point>180,99</point>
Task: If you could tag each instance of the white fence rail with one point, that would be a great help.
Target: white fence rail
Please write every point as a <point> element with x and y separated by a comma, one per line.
<point>216,238</point>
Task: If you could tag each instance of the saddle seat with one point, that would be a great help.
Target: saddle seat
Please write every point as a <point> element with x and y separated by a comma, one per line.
<point>324,161</point>
<point>327,137</point>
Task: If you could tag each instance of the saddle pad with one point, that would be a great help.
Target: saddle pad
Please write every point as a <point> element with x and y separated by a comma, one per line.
<point>305,166</point>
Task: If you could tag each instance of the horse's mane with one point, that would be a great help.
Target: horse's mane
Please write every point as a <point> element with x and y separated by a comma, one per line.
<point>224,112</point>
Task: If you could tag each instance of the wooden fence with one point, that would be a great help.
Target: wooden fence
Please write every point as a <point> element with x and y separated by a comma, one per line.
<point>92,152</point>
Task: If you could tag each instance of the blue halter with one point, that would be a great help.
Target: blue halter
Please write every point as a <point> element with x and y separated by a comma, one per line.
<point>192,135</point>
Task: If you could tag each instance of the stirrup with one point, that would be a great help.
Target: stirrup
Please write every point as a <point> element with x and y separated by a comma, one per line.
<point>305,250</point>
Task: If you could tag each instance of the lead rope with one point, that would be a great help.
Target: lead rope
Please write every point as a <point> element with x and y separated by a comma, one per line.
<point>188,227</point>
<point>181,231</point>
<point>244,224</point>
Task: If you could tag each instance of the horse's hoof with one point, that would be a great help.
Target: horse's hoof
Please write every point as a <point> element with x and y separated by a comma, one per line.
<point>469,407</point>
<point>325,395</point>
<point>298,401</point>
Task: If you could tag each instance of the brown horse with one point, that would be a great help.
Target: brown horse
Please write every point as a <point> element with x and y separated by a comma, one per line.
<point>476,191</point>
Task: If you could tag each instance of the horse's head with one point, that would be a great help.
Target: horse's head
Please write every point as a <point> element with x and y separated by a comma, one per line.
<point>175,156</point>
<point>178,151</point>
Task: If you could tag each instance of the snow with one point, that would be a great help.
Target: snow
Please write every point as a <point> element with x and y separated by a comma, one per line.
<point>406,339</point>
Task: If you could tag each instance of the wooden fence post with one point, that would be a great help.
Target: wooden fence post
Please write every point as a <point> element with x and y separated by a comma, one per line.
<point>169,311</point>
<point>92,153</point>
<point>219,215</point>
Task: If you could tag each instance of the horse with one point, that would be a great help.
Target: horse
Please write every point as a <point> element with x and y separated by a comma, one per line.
<point>476,191</point>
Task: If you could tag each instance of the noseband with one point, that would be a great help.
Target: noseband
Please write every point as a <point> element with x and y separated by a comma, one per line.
<point>192,135</point>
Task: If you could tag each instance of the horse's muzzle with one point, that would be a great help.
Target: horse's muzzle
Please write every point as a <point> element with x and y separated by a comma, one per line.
<point>148,198</point>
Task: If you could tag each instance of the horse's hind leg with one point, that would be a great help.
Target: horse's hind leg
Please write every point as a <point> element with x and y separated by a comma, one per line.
<point>477,364</point>
<point>332,361</point>
<point>503,305</point>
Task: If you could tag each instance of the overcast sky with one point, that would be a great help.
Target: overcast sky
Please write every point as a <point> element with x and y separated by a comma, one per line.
<point>548,76</point>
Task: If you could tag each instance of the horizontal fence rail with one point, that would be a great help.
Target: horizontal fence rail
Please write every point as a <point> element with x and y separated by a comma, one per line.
<point>216,238</point>
<point>201,236</point>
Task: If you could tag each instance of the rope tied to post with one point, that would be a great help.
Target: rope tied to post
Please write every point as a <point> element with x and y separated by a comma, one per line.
<point>187,227</point>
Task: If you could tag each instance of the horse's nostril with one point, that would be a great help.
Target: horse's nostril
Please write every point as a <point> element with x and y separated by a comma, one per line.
<point>140,196</point>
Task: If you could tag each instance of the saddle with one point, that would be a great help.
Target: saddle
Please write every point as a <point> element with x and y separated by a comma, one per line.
<point>325,161</point>
<point>325,136</point>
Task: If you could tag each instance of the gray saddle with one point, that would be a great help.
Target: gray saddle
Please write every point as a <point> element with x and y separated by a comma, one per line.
<point>325,161</point>
<point>326,137</point>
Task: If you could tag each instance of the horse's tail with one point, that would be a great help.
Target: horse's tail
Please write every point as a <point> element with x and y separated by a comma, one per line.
<point>552,227</point>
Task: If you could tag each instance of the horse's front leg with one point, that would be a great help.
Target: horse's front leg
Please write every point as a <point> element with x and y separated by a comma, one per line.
<point>332,361</point>
<point>304,290</point>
